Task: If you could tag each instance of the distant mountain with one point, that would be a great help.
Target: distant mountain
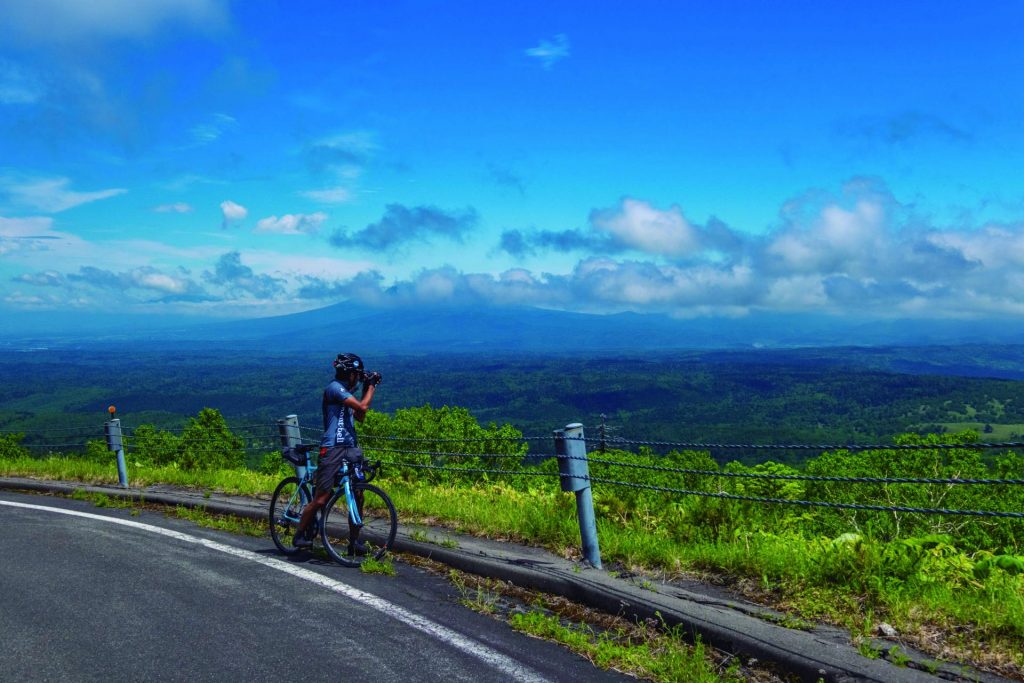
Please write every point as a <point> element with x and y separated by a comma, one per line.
<point>433,329</point>
<point>529,330</point>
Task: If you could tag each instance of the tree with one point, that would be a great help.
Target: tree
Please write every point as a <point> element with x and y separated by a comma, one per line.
<point>207,443</point>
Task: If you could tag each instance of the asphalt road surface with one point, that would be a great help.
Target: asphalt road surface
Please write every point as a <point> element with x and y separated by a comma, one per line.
<point>100,594</point>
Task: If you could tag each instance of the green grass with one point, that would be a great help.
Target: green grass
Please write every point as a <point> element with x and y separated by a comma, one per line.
<point>229,523</point>
<point>936,602</point>
<point>647,650</point>
<point>235,481</point>
<point>102,500</point>
<point>198,515</point>
<point>421,536</point>
<point>657,656</point>
<point>1000,432</point>
<point>477,598</point>
<point>812,578</point>
<point>383,566</point>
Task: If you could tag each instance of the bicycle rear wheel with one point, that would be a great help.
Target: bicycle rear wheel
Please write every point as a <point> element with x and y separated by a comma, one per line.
<point>352,545</point>
<point>286,505</point>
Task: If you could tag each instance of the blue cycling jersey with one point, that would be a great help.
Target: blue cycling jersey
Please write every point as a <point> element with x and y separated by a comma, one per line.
<point>339,426</point>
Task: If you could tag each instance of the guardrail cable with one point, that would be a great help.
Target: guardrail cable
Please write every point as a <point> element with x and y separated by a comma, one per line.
<point>265,438</point>
<point>479,470</point>
<point>806,447</point>
<point>797,477</point>
<point>264,428</point>
<point>468,439</point>
<point>715,473</point>
<point>726,496</point>
<point>810,503</point>
<point>446,454</point>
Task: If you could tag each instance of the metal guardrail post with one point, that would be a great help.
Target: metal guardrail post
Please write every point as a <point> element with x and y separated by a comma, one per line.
<point>112,429</point>
<point>288,430</point>
<point>571,451</point>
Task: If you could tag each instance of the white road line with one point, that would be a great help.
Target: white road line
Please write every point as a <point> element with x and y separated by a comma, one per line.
<point>508,666</point>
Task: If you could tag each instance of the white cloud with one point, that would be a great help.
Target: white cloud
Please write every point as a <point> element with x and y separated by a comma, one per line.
<point>796,253</point>
<point>91,285</point>
<point>34,301</point>
<point>27,227</point>
<point>333,195</point>
<point>799,292</point>
<point>148,278</point>
<point>550,51</point>
<point>358,142</point>
<point>993,246</point>
<point>46,278</point>
<point>50,195</point>
<point>186,181</point>
<point>233,213</point>
<point>287,265</point>
<point>340,157</point>
<point>837,239</point>
<point>858,251</point>
<point>212,129</point>
<point>55,22</point>
<point>34,234</point>
<point>178,207</point>
<point>638,225</point>
<point>292,224</point>
<point>852,230</point>
<point>18,85</point>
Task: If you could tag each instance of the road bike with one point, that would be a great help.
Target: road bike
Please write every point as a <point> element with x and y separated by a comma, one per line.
<point>358,523</point>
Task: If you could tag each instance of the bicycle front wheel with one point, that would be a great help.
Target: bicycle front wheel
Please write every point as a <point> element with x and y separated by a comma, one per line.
<point>286,505</point>
<point>352,544</point>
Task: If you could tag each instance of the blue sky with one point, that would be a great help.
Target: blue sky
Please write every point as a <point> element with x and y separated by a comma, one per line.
<point>216,158</point>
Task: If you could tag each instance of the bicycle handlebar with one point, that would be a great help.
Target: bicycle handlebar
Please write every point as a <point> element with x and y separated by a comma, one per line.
<point>370,470</point>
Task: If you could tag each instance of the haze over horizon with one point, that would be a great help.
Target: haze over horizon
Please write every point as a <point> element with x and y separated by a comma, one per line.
<point>207,158</point>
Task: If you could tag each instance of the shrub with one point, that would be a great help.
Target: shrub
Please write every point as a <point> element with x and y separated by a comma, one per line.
<point>205,443</point>
<point>10,446</point>
<point>444,437</point>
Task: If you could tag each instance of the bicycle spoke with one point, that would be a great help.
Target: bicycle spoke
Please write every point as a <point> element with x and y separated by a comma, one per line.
<point>286,506</point>
<point>352,544</point>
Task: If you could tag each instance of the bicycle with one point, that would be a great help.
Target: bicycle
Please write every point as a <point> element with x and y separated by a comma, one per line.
<point>372,520</point>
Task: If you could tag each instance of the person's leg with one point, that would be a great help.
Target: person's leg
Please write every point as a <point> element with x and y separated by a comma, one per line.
<point>309,513</point>
<point>326,471</point>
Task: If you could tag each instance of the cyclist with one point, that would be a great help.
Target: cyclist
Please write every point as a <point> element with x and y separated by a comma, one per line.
<point>339,442</point>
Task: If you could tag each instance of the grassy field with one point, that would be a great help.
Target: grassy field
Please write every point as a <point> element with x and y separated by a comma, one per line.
<point>930,591</point>
<point>1000,432</point>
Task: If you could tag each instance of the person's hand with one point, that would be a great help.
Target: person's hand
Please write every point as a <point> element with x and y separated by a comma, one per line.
<point>372,379</point>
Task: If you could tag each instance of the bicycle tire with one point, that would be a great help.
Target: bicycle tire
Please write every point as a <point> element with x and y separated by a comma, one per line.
<point>380,524</point>
<point>283,522</point>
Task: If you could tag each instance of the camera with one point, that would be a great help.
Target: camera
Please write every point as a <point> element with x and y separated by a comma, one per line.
<point>372,379</point>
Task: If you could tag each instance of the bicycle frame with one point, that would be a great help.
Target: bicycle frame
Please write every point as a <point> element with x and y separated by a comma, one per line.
<point>354,516</point>
<point>306,479</point>
<point>292,498</point>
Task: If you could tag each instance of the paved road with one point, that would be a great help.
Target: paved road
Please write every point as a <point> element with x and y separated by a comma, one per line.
<point>103,595</point>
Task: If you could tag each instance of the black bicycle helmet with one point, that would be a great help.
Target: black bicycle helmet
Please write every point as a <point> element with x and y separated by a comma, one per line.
<point>346,362</point>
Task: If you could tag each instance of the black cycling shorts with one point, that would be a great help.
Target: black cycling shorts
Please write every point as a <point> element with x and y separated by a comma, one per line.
<point>330,465</point>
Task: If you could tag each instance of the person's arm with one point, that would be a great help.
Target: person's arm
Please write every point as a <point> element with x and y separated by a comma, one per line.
<point>360,406</point>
